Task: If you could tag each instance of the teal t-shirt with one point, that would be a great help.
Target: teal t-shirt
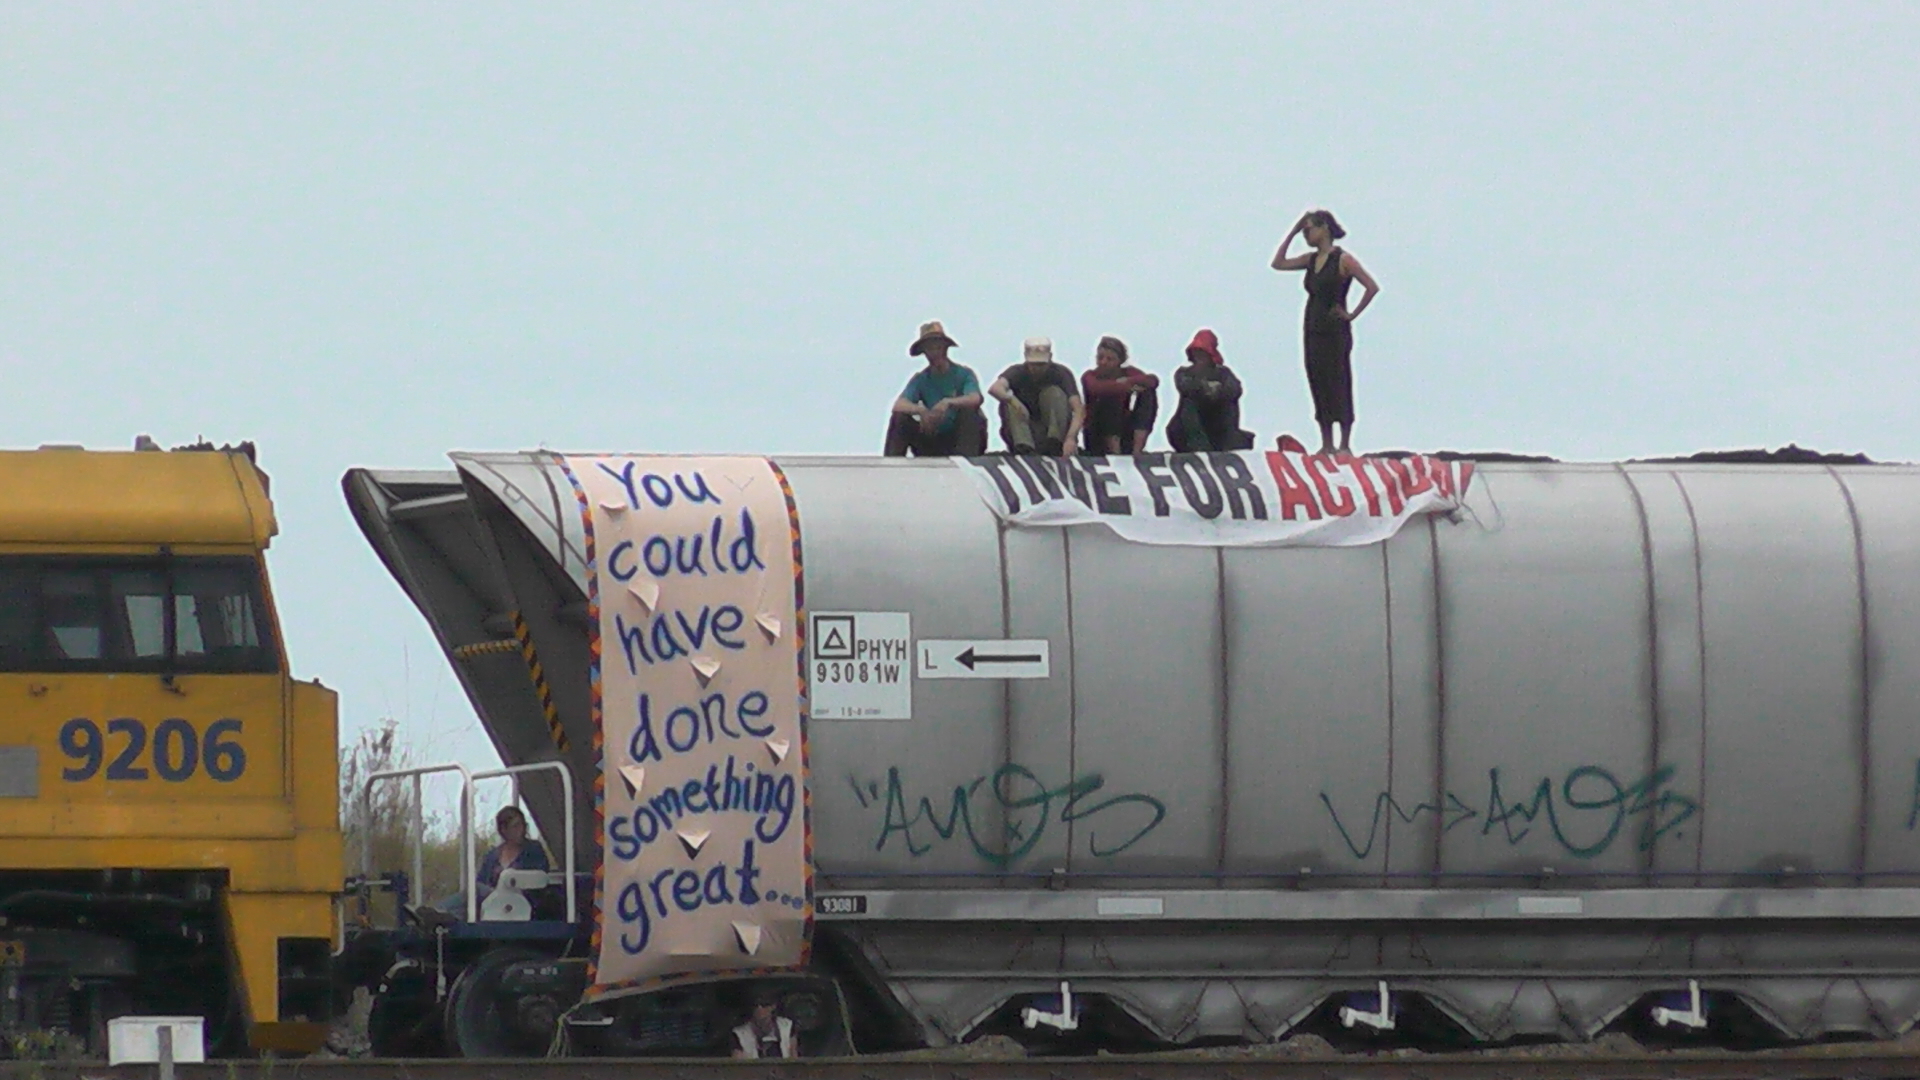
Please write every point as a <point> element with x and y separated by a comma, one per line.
<point>930,388</point>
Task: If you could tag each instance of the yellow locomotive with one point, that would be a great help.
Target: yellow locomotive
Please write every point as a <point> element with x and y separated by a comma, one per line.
<point>169,827</point>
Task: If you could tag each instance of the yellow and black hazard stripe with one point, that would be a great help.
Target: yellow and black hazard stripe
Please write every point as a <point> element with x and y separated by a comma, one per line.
<point>483,648</point>
<point>523,643</point>
<point>540,686</point>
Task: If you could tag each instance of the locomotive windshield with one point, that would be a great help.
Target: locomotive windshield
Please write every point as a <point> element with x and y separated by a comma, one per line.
<point>133,614</point>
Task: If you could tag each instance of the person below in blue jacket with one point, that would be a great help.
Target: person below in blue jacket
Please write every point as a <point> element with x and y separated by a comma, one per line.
<point>515,851</point>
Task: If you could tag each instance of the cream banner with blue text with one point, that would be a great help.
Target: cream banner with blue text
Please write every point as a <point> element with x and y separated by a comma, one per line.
<point>696,589</point>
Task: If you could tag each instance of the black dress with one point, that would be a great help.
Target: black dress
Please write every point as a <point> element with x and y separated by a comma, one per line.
<point>1329,343</point>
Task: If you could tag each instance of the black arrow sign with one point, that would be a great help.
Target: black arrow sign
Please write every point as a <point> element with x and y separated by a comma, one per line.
<point>970,658</point>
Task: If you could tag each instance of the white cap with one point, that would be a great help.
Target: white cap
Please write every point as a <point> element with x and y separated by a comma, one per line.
<point>1039,346</point>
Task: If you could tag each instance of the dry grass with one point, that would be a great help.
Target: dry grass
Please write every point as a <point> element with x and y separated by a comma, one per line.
<point>382,822</point>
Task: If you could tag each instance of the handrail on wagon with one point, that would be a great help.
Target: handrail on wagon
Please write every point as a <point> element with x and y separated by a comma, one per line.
<point>566,789</point>
<point>416,836</point>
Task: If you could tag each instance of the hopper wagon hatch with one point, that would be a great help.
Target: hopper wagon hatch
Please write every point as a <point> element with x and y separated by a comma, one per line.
<point>1613,745</point>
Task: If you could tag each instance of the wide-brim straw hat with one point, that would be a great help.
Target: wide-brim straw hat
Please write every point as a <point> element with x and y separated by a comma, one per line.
<point>932,331</point>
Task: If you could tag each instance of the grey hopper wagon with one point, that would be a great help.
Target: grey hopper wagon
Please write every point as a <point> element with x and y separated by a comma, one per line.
<point>1617,737</point>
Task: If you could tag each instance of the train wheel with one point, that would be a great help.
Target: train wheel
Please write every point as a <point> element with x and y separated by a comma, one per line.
<point>486,1020</point>
<point>404,1020</point>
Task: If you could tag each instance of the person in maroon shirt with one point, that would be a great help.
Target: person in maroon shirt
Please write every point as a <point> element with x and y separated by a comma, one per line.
<point>1122,401</point>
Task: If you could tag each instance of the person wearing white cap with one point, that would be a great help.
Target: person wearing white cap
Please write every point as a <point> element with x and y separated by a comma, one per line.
<point>1040,406</point>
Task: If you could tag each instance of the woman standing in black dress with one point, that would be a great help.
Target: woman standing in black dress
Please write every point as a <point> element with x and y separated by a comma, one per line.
<point>1329,325</point>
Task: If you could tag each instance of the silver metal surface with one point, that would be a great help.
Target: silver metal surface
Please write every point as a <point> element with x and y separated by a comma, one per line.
<point>1546,677</point>
<point>867,773</point>
<point>1889,515</point>
<point>19,772</point>
<point>1597,671</point>
<point>1036,732</point>
<point>1145,724</point>
<point>1321,612</point>
<point>1782,619</point>
<point>1385,905</point>
<point>1678,645</point>
<point>1624,724</point>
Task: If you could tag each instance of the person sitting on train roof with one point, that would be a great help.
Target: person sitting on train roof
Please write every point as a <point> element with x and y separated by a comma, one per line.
<point>1040,406</point>
<point>766,1034</point>
<point>1122,401</point>
<point>1208,417</point>
<point>515,851</point>
<point>938,414</point>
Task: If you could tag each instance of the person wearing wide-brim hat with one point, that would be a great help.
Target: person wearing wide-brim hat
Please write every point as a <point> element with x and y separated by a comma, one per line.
<point>932,333</point>
<point>938,414</point>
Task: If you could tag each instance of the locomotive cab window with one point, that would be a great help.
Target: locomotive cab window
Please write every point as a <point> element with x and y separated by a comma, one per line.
<point>150,614</point>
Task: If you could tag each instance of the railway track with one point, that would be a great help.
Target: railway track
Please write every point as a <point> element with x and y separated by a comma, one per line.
<point>1823,1063</point>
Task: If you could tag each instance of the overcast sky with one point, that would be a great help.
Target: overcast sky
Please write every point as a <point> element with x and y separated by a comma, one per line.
<point>368,234</point>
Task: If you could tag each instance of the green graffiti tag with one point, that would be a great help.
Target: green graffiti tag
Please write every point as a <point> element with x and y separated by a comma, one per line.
<point>1029,806</point>
<point>1452,812</point>
<point>1585,811</point>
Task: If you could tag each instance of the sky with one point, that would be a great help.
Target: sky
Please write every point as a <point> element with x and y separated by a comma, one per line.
<point>367,234</point>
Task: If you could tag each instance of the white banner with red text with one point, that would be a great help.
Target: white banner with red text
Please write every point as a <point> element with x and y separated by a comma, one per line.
<point>1225,498</point>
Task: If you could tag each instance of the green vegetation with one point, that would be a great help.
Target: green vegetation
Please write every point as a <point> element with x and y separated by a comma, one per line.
<point>39,1046</point>
<point>382,822</point>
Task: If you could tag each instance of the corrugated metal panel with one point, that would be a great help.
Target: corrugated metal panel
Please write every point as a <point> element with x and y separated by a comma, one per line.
<point>1889,516</point>
<point>1641,652</point>
<point>1547,726</point>
<point>1782,618</point>
<point>536,490</point>
<point>898,796</point>
<point>1413,756</point>
<point>1038,747</point>
<point>1146,719</point>
<point>1309,709</point>
<point>1680,713</point>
